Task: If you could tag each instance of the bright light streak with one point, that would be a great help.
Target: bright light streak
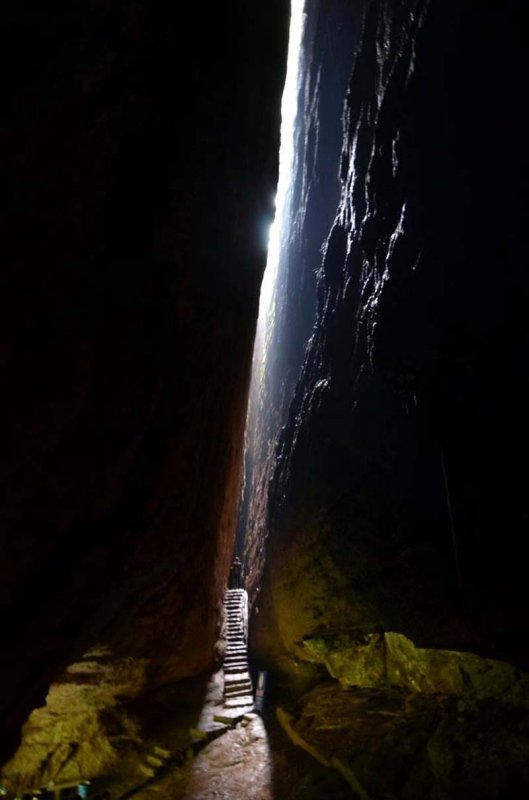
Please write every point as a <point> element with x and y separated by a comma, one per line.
<point>289,108</point>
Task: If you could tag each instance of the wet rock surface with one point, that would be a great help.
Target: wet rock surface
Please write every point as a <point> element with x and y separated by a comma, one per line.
<point>255,760</point>
<point>405,735</point>
<point>165,744</point>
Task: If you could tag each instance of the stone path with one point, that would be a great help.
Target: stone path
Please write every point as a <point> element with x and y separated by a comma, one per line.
<point>238,690</point>
<point>253,761</point>
<point>238,765</point>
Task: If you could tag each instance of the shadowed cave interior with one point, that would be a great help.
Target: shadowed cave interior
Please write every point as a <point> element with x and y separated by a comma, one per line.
<point>368,469</point>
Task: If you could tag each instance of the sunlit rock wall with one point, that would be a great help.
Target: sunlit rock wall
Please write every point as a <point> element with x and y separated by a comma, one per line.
<point>139,177</point>
<point>329,33</point>
<point>395,503</point>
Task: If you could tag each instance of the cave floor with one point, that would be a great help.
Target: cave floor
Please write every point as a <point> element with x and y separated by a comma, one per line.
<point>255,761</point>
<point>387,742</point>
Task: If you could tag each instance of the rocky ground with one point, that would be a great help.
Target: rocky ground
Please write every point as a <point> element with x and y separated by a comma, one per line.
<point>254,761</point>
<point>392,743</point>
<point>396,736</point>
<point>168,744</point>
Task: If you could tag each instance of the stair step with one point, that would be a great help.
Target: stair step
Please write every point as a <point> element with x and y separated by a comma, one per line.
<point>150,772</point>
<point>161,751</point>
<point>154,761</point>
<point>238,702</point>
<point>243,695</point>
<point>237,682</point>
<point>234,691</point>
<point>240,688</point>
<point>243,675</point>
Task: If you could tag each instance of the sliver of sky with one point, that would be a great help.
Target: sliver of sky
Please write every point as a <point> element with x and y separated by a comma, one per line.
<point>289,106</point>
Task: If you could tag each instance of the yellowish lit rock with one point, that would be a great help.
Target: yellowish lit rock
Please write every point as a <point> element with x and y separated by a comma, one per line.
<point>391,659</point>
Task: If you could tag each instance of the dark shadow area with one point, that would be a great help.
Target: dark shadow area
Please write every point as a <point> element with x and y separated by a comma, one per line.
<point>296,774</point>
<point>139,156</point>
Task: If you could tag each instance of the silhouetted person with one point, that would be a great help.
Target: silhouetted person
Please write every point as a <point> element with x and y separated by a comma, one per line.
<point>235,573</point>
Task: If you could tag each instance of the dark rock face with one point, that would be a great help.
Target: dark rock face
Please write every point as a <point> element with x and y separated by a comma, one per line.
<point>393,511</point>
<point>138,179</point>
<point>395,503</point>
<point>410,745</point>
<point>394,507</point>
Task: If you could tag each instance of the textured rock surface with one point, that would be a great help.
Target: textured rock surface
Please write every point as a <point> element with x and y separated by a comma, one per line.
<point>139,175</point>
<point>394,508</point>
<point>255,761</point>
<point>137,182</point>
<point>390,659</point>
<point>390,743</point>
<point>84,729</point>
<point>395,503</point>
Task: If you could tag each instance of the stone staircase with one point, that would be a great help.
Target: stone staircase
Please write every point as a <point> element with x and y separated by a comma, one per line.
<point>238,691</point>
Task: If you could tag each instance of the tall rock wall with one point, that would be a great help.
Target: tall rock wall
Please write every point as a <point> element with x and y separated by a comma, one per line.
<point>397,502</point>
<point>138,173</point>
